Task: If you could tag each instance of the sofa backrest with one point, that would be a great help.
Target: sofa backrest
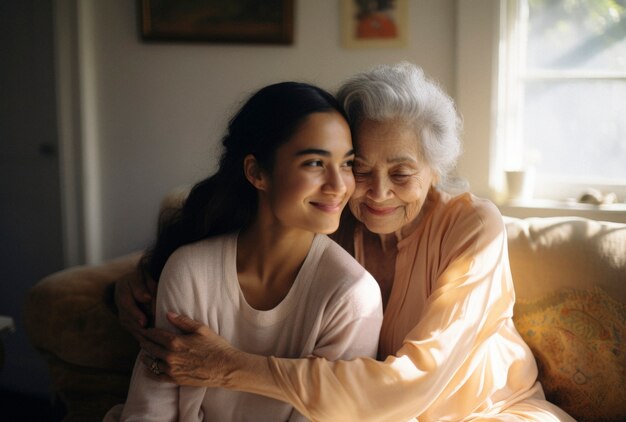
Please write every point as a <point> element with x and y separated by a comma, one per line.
<point>551,253</point>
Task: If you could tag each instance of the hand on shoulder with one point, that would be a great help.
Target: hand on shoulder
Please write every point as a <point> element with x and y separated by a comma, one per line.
<point>135,298</point>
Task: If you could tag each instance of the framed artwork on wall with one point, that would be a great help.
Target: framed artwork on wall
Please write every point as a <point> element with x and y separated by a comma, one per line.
<point>374,23</point>
<point>232,21</point>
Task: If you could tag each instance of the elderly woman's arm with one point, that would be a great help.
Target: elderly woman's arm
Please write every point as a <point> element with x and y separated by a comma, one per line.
<point>444,357</point>
<point>184,359</point>
<point>472,298</point>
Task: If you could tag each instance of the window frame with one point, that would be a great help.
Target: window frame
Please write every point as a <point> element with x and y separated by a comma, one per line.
<point>507,136</point>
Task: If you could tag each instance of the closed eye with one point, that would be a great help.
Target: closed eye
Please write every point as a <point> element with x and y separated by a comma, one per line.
<point>360,169</point>
<point>401,178</point>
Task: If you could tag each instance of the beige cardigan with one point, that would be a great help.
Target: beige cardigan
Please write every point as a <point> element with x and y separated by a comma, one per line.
<point>450,349</point>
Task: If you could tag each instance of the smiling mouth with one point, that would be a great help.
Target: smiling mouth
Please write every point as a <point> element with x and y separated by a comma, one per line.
<point>328,207</point>
<point>379,211</point>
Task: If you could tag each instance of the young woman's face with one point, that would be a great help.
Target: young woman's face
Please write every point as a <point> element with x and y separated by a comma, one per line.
<point>392,177</point>
<point>312,177</point>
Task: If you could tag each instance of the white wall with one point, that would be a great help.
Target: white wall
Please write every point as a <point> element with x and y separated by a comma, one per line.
<point>152,113</point>
<point>476,90</point>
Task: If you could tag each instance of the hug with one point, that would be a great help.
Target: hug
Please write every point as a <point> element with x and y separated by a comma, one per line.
<point>327,272</point>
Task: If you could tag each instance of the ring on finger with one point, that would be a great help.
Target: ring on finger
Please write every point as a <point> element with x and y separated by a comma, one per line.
<point>154,367</point>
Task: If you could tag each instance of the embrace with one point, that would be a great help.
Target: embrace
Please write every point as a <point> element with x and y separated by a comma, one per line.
<point>276,301</point>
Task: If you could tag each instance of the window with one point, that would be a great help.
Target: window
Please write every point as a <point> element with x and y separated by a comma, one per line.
<point>562,94</point>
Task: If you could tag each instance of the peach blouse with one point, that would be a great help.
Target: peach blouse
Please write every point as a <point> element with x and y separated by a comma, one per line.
<point>450,349</point>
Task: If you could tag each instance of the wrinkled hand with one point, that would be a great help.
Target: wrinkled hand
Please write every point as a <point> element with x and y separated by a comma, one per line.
<point>197,357</point>
<point>135,298</point>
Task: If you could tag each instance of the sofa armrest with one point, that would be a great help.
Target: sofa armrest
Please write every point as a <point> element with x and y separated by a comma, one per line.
<point>70,317</point>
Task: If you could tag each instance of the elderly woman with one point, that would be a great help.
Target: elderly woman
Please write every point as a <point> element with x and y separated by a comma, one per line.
<point>448,348</point>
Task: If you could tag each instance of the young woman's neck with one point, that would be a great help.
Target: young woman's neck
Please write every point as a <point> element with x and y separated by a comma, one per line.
<point>268,260</point>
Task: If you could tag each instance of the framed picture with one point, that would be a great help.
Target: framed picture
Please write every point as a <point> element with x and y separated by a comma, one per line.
<point>374,23</point>
<point>232,21</point>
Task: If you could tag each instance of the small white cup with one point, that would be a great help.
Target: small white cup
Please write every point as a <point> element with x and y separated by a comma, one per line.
<point>520,184</point>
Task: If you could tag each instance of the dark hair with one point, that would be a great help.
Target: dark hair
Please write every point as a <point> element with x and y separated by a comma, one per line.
<point>226,201</point>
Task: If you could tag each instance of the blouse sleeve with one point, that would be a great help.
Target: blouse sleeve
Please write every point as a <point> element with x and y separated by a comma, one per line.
<point>149,399</point>
<point>471,296</point>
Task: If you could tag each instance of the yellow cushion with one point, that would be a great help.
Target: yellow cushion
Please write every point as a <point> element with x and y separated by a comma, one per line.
<point>578,338</point>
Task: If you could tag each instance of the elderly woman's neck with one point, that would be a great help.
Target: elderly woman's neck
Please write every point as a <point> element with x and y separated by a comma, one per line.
<point>387,242</point>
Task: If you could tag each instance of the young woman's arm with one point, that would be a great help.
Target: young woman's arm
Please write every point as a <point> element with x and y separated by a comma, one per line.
<point>351,315</point>
<point>148,398</point>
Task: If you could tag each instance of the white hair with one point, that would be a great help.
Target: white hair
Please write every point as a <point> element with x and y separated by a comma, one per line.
<point>402,93</point>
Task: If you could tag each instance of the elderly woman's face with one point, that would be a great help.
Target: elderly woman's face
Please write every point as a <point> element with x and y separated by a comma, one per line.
<point>392,178</point>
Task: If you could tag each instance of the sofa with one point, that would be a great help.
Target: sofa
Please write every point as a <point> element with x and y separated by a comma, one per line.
<point>570,281</point>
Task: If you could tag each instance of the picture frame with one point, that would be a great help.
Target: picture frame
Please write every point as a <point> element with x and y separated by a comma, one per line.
<point>374,23</point>
<point>232,21</point>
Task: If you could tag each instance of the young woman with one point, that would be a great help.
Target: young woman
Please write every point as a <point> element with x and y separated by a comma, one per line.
<point>248,257</point>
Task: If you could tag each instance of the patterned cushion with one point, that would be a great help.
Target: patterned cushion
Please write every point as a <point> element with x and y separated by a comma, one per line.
<point>578,338</point>
<point>570,281</point>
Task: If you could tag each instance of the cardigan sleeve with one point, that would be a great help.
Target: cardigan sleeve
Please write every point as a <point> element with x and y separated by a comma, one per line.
<point>472,297</point>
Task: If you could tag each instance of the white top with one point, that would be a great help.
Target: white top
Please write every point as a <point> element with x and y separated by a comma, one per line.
<point>333,310</point>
